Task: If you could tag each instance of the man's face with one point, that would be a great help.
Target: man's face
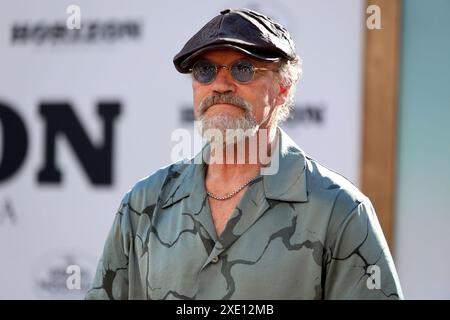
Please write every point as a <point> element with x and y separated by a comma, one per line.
<point>262,94</point>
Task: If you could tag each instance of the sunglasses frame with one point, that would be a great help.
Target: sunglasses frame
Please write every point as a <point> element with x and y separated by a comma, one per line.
<point>228,67</point>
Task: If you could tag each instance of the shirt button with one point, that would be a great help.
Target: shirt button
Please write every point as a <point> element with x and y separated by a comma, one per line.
<point>215,259</point>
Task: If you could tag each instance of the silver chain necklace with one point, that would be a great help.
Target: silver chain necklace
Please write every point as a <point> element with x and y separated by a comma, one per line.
<point>230,195</point>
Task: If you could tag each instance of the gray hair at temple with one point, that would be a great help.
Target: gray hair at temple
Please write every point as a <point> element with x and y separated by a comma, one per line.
<point>290,72</point>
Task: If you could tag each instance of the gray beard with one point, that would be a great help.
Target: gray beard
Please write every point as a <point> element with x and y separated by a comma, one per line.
<point>239,128</point>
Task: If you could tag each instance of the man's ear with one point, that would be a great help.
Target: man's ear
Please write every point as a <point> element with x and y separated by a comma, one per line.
<point>283,89</point>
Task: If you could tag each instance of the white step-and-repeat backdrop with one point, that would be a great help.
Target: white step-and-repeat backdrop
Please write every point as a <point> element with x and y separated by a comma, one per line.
<point>86,113</point>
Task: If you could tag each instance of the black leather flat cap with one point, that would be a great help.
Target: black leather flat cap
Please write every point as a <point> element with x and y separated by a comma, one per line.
<point>243,30</point>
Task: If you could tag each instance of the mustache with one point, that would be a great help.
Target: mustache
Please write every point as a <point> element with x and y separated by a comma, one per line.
<point>224,98</point>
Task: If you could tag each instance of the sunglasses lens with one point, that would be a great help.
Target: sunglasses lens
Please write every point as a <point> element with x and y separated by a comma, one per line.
<point>204,71</point>
<point>242,71</point>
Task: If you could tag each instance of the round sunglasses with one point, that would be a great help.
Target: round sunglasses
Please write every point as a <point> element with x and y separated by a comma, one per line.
<point>205,71</point>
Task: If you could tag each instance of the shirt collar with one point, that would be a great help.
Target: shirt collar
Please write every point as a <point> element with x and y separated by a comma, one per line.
<point>287,183</point>
<point>189,181</point>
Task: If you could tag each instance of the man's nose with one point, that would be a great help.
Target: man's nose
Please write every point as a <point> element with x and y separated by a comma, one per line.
<point>223,83</point>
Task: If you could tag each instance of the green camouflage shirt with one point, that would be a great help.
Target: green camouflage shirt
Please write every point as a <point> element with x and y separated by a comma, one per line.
<point>302,233</point>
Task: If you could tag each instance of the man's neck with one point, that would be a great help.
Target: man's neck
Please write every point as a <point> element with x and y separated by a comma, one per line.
<point>240,162</point>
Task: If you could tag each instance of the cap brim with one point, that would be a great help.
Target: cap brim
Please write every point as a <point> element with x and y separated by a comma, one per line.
<point>186,63</point>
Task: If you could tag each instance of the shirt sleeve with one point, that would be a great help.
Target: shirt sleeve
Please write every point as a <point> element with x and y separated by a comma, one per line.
<point>111,278</point>
<point>358,262</point>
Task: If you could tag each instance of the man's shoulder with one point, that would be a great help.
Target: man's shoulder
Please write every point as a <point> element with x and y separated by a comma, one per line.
<point>324,186</point>
<point>147,190</point>
<point>335,196</point>
<point>327,185</point>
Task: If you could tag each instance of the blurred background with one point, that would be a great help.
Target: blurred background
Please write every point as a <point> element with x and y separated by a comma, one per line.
<point>86,113</point>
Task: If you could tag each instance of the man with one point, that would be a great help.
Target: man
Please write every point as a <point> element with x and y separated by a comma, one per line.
<point>243,221</point>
